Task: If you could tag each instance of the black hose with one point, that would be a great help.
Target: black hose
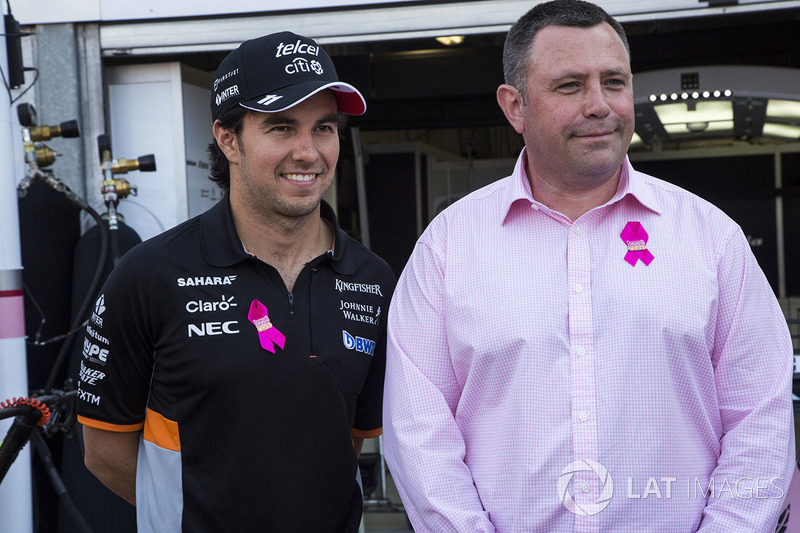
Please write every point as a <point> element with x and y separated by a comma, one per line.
<point>43,451</point>
<point>18,435</point>
<point>13,412</point>
<point>87,301</point>
<point>114,238</point>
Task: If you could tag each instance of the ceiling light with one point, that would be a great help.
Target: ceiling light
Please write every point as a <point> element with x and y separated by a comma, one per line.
<point>705,111</point>
<point>688,128</point>
<point>781,130</point>
<point>450,40</point>
<point>783,109</point>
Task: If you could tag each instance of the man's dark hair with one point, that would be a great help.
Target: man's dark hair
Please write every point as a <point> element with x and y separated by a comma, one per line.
<point>519,41</point>
<point>232,119</point>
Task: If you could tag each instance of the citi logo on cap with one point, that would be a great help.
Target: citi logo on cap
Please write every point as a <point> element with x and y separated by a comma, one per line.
<point>298,47</point>
<point>301,64</point>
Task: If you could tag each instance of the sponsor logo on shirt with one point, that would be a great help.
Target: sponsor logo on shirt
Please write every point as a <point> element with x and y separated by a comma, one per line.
<point>204,306</point>
<point>96,336</point>
<point>88,397</point>
<point>343,286</point>
<point>205,281</point>
<point>99,307</point>
<point>358,312</point>
<point>90,376</point>
<point>203,329</point>
<point>359,344</point>
<point>94,353</point>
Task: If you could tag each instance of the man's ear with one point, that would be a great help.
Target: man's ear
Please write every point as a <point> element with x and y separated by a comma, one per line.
<point>227,141</point>
<point>511,103</point>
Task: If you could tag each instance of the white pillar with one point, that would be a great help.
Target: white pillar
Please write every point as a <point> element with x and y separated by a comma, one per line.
<point>16,507</point>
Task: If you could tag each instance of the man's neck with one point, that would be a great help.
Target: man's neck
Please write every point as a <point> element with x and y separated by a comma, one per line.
<point>286,243</point>
<point>572,199</point>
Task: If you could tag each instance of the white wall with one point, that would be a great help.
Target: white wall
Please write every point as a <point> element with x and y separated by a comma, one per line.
<point>53,11</point>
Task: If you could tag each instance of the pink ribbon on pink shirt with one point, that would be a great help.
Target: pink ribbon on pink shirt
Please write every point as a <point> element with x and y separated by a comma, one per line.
<point>267,333</point>
<point>635,238</point>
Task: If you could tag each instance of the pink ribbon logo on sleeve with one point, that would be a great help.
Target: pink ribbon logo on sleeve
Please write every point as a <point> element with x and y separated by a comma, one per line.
<point>635,238</point>
<point>268,334</point>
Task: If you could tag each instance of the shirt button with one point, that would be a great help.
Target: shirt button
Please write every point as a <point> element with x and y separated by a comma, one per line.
<point>578,288</point>
<point>586,487</point>
<point>576,229</point>
<point>584,417</point>
<point>581,351</point>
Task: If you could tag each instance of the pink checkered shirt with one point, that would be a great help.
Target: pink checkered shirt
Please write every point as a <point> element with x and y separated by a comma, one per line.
<point>545,376</point>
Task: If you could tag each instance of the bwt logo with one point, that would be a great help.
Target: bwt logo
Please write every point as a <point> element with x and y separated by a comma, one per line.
<point>586,509</point>
<point>358,344</point>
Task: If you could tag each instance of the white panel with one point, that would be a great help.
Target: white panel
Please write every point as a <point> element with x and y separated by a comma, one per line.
<point>16,508</point>
<point>143,9</point>
<point>380,23</point>
<point>465,14</point>
<point>146,117</point>
<point>202,192</point>
<point>50,11</point>
<point>743,80</point>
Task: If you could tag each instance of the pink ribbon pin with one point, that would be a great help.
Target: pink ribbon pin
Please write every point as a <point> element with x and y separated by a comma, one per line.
<point>267,333</point>
<point>635,237</point>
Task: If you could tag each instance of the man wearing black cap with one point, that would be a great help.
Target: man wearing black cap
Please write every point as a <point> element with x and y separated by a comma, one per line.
<point>234,364</point>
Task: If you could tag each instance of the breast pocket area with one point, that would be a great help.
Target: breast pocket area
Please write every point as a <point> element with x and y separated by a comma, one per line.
<point>347,361</point>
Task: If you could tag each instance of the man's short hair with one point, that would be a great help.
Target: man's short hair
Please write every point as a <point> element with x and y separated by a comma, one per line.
<point>519,41</point>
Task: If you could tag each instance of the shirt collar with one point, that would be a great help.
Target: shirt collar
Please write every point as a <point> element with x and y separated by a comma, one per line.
<point>520,188</point>
<point>638,186</point>
<point>223,248</point>
<point>631,183</point>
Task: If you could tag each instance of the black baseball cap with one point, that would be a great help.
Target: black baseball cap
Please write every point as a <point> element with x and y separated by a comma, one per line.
<point>278,71</point>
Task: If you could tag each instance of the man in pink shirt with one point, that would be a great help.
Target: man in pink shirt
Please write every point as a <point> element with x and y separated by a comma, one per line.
<point>580,347</point>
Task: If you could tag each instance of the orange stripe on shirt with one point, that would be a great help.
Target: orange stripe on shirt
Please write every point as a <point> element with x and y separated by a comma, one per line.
<point>117,428</point>
<point>161,431</point>
<point>366,434</point>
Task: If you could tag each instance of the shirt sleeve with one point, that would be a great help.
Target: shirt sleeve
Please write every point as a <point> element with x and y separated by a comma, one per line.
<point>423,445</point>
<point>752,358</point>
<point>368,423</point>
<point>368,419</point>
<point>117,358</point>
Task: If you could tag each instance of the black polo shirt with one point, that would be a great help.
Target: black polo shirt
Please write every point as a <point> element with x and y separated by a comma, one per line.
<point>236,438</point>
